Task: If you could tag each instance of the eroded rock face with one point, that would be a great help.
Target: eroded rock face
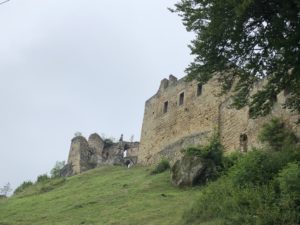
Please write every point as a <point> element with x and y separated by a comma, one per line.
<point>188,171</point>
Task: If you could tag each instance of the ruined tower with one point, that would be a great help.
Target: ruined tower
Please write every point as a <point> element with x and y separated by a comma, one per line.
<point>79,155</point>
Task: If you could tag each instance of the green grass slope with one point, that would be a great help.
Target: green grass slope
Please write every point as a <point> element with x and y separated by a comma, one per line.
<point>106,195</point>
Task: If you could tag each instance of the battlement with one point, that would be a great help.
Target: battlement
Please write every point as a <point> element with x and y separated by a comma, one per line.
<point>165,83</point>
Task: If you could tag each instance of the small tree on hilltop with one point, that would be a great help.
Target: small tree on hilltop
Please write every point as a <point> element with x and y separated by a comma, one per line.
<point>5,190</point>
<point>55,172</point>
<point>77,134</point>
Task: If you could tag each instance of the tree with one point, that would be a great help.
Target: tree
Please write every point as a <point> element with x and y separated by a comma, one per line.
<point>131,138</point>
<point>2,2</point>
<point>5,190</point>
<point>246,40</point>
<point>55,172</point>
<point>276,135</point>
<point>78,134</point>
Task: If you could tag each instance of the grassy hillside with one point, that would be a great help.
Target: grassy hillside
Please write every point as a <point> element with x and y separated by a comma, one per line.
<point>106,195</point>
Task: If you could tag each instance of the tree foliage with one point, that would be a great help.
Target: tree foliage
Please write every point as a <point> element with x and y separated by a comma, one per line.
<point>249,40</point>
<point>276,135</point>
<point>55,172</point>
<point>5,190</point>
<point>213,151</point>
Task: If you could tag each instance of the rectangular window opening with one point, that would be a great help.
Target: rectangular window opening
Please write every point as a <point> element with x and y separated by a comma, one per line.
<point>181,98</point>
<point>166,104</point>
<point>199,89</point>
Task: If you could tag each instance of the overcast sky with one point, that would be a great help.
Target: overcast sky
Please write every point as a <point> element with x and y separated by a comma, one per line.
<point>74,65</point>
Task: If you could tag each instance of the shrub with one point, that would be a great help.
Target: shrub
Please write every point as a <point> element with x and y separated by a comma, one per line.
<point>261,187</point>
<point>213,151</point>
<point>289,184</point>
<point>212,155</point>
<point>276,135</point>
<point>222,202</point>
<point>42,178</point>
<point>162,166</point>
<point>108,142</point>
<point>23,186</point>
<point>231,159</point>
<point>255,168</point>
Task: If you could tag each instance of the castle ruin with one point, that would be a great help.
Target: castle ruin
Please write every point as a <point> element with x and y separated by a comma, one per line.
<point>87,154</point>
<point>183,114</point>
<point>179,115</point>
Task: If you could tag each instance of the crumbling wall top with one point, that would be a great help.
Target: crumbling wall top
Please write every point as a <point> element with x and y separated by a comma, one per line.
<point>80,139</point>
<point>95,136</point>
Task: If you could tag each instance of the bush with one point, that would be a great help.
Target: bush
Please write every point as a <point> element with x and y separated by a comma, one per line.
<point>289,179</point>
<point>222,202</point>
<point>42,178</point>
<point>212,155</point>
<point>23,186</point>
<point>289,185</point>
<point>108,142</point>
<point>261,187</point>
<point>256,168</point>
<point>162,166</point>
<point>276,135</point>
<point>213,151</point>
<point>231,159</point>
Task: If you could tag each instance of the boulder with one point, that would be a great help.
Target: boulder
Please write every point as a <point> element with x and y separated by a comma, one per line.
<point>188,171</point>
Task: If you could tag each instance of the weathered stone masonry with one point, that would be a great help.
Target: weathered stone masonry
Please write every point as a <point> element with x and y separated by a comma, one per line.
<point>184,113</point>
<point>87,154</point>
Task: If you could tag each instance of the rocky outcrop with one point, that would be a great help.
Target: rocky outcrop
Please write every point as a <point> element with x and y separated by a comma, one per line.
<point>188,171</point>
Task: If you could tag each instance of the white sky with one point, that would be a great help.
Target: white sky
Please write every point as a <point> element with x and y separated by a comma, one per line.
<point>75,65</point>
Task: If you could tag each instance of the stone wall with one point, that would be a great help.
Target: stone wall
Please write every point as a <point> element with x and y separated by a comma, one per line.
<point>96,143</point>
<point>197,115</point>
<point>184,113</point>
<point>236,124</point>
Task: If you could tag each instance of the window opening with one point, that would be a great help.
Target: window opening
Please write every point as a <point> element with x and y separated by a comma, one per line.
<point>166,104</point>
<point>243,142</point>
<point>199,89</point>
<point>181,98</point>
